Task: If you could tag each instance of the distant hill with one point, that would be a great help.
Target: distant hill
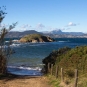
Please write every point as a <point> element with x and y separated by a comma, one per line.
<point>18,34</point>
<point>56,32</point>
<point>52,34</point>
<point>60,34</point>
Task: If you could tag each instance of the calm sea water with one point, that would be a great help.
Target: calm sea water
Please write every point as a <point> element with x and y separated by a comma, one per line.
<point>27,59</point>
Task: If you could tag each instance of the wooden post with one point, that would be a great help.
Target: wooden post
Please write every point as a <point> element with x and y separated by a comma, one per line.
<point>48,67</point>
<point>51,69</point>
<point>76,78</point>
<point>62,76</point>
<point>56,74</point>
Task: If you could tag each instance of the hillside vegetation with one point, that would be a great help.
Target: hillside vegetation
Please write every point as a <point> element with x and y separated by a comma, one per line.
<point>35,38</point>
<point>70,59</point>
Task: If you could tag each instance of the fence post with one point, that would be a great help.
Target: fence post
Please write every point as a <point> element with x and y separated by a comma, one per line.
<point>76,78</point>
<point>56,74</point>
<point>62,76</point>
<point>51,69</point>
<point>48,67</point>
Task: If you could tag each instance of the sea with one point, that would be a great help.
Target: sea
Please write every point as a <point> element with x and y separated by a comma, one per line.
<point>27,57</point>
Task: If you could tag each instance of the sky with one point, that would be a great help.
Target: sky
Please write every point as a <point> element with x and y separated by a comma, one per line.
<point>46,15</point>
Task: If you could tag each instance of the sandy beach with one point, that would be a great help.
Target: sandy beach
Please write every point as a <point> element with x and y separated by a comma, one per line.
<point>40,81</point>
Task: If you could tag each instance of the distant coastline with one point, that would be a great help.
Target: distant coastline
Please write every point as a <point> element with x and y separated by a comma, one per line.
<point>56,34</point>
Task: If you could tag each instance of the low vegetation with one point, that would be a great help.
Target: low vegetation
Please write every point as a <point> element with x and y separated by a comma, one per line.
<point>54,57</point>
<point>69,60</point>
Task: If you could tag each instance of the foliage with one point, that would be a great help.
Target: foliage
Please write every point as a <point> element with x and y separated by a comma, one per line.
<point>4,52</point>
<point>54,56</point>
<point>31,36</point>
<point>75,58</point>
<point>70,73</point>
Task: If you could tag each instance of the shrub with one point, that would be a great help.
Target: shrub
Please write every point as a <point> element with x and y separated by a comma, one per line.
<point>70,73</point>
<point>4,52</point>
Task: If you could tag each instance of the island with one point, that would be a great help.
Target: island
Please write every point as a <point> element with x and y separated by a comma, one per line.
<point>34,38</point>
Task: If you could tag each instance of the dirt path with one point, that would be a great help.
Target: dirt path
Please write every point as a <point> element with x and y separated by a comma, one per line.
<point>25,82</point>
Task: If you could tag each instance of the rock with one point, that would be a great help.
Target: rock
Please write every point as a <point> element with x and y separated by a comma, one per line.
<point>34,38</point>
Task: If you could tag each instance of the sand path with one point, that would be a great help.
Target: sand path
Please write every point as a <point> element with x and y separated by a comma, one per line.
<point>25,82</point>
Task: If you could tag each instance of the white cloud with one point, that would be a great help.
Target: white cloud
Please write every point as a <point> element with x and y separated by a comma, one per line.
<point>71,24</point>
<point>39,25</point>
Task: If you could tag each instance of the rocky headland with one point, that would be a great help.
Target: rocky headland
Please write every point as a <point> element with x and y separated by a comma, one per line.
<point>34,38</point>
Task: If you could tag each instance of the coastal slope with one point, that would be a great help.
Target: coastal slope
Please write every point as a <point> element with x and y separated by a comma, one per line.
<point>70,60</point>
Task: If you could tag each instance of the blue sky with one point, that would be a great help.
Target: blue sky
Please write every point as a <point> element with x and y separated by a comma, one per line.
<point>46,15</point>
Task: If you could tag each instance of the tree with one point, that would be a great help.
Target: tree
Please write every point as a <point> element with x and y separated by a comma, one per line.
<point>4,52</point>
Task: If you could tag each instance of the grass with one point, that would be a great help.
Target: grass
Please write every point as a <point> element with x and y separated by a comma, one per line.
<point>53,81</point>
<point>82,82</point>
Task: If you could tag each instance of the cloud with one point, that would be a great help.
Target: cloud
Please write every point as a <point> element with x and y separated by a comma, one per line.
<point>25,27</point>
<point>40,26</point>
<point>71,24</point>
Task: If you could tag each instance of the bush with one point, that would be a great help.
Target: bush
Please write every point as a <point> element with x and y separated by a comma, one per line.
<point>70,73</point>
